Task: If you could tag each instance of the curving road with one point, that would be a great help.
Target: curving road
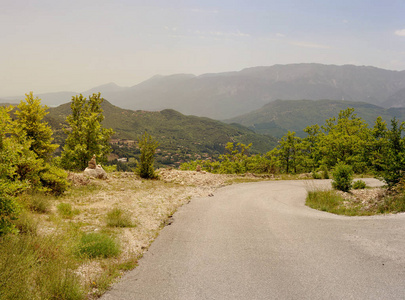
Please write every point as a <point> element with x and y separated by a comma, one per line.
<point>259,241</point>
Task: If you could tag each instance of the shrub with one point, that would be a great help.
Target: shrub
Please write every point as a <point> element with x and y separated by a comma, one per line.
<point>342,177</point>
<point>54,180</point>
<point>324,172</point>
<point>118,218</point>
<point>94,245</point>
<point>9,209</point>
<point>359,185</point>
<point>316,175</point>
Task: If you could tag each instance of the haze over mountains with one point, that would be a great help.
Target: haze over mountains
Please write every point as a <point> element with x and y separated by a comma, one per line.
<point>227,95</point>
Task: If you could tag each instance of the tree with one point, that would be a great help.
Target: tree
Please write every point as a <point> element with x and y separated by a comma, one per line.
<point>390,158</point>
<point>289,151</point>
<point>148,147</point>
<point>310,146</point>
<point>86,136</point>
<point>345,140</point>
<point>30,125</point>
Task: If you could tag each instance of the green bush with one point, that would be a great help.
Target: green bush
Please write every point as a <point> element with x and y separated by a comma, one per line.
<point>118,218</point>
<point>342,177</point>
<point>316,175</point>
<point>9,209</point>
<point>324,172</point>
<point>359,185</point>
<point>94,245</point>
<point>54,180</point>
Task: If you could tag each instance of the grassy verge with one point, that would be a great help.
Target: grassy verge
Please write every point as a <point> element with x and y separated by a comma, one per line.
<point>334,202</point>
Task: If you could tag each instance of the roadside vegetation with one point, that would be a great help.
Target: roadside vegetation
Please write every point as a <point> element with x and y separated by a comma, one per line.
<point>64,235</point>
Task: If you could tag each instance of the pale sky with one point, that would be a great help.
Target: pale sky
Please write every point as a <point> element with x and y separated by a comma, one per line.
<point>70,45</point>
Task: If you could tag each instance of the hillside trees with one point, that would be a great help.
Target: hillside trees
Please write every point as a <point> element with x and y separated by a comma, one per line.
<point>346,140</point>
<point>86,136</point>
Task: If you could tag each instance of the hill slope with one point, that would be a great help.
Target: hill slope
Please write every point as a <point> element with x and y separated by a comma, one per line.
<point>277,117</point>
<point>181,137</point>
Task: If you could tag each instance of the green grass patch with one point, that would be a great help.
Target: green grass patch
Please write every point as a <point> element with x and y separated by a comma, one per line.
<point>35,267</point>
<point>119,218</point>
<point>93,245</point>
<point>66,210</point>
<point>330,201</point>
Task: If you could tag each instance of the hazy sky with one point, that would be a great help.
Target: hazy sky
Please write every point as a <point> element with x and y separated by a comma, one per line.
<point>69,45</point>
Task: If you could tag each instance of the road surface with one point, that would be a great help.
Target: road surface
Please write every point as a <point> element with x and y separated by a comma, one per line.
<point>260,241</point>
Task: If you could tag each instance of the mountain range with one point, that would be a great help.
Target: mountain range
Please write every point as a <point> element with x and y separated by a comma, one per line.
<point>226,95</point>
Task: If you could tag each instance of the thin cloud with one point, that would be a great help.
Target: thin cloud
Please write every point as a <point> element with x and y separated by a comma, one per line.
<point>280,35</point>
<point>310,45</point>
<point>400,32</point>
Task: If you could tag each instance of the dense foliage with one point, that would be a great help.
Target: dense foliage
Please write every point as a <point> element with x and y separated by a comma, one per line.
<point>25,158</point>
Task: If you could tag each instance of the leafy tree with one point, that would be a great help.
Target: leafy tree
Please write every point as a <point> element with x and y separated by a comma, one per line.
<point>235,159</point>
<point>289,151</point>
<point>310,146</point>
<point>29,124</point>
<point>148,147</point>
<point>345,140</point>
<point>390,152</point>
<point>86,136</point>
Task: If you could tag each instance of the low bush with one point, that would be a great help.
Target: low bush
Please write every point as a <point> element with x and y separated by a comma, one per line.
<point>54,180</point>
<point>359,185</point>
<point>95,244</point>
<point>342,177</point>
<point>9,208</point>
<point>316,175</point>
<point>324,172</point>
<point>118,218</point>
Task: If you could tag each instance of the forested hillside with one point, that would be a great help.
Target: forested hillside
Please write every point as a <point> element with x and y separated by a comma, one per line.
<point>278,117</point>
<point>181,137</point>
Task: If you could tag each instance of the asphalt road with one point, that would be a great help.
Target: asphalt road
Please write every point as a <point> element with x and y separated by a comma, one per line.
<point>259,241</point>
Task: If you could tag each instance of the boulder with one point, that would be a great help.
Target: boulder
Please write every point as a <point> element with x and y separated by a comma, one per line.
<point>98,172</point>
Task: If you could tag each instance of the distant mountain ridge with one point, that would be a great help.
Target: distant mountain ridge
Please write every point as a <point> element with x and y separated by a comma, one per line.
<point>278,117</point>
<point>226,95</point>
